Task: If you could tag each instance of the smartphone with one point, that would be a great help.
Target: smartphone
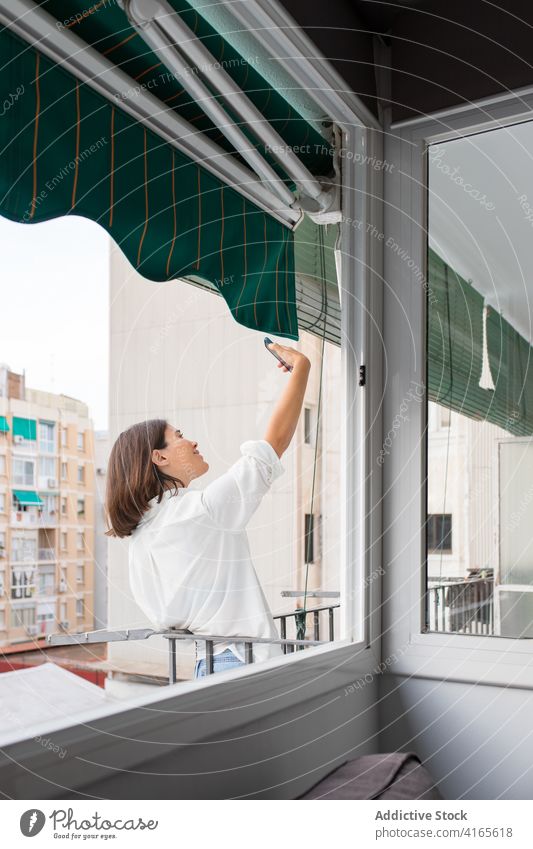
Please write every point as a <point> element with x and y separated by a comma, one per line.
<point>269,342</point>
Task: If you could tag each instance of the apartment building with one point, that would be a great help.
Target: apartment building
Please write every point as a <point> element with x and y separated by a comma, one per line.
<point>101,456</point>
<point>46,512</point>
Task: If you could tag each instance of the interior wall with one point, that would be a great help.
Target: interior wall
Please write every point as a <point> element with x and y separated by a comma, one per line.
<point>476,741</point>
<point>269,734</point>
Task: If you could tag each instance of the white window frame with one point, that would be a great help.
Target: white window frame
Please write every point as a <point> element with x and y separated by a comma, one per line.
<point>361,295</point>
<point>3,464</point>
<point>499,661</point>
<point>51,462</point>
<point>22,459</point>
<point>27,544</point>
<point>46,446</point>
<point>80,440</point>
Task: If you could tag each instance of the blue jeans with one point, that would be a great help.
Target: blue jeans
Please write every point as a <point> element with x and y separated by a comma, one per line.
<point>221,662</point>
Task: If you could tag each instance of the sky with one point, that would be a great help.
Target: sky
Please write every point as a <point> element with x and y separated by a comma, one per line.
<point>55,308</point>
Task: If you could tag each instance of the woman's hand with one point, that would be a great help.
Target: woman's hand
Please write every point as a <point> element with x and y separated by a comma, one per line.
<point>290,355</point>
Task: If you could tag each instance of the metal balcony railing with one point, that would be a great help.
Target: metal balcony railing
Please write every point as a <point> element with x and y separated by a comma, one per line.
<point>465,607</point>
<point>316,620</point>
<point>23,591</point>
<point>175,635</point>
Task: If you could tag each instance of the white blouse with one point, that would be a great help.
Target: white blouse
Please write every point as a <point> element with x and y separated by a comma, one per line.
<point>189,557</point>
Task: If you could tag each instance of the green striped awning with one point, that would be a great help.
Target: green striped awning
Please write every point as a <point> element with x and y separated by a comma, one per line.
<point>4,427</point>
<point>65,149</point>
<point>27,428</point>
<point>455,354</point>
<point>26,496</point>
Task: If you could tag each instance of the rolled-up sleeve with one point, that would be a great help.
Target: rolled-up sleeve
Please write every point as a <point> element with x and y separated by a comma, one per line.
<point>232,499</point>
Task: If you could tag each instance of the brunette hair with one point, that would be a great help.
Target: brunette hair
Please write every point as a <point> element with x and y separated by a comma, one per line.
<point>133,478</point>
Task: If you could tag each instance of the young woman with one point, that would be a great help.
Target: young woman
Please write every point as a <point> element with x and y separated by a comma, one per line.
<point>189,557</point>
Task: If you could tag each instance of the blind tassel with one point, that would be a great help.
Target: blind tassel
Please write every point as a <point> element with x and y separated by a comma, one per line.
<point>486,381</point>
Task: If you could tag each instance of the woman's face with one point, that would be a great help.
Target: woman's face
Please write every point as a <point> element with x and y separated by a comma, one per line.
<point>181,457</point>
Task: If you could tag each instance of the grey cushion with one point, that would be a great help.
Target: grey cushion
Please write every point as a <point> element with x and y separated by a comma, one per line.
<point>394,775</point>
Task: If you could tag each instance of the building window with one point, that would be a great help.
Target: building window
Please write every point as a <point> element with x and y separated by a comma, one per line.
<point>64,471</point>
<point>23,472</point>
<point>81,506</point>
<point>2,502</point>
<point>46,582</point>
<point>22,617</point>
<point>439,532</point>
<point>2,464</point>
<point>445,416</point>
<point>47,443</point>
<point>309,553</point>
<point>64,506</point>
<point>2,616</point>
<point>49,504</point>
<point>80,573</point>
<point>79,608</point>
<point>22,583</point>
<point>47,470</point>
<point>64,437</point>
<point>24,549</point>
<point>80,541</point>
<point>81,441</point>
<point>81,474</point>
<point>64,540</point>
<point>307,426</point>
<point>2,543</point>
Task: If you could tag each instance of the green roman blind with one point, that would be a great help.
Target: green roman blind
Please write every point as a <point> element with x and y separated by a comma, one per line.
<point>27,428</point>
<point>317,292</point>
<point>455,354</point>
<point>4,427</point>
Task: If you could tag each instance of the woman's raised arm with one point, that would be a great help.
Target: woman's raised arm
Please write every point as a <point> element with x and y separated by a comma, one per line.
<point>284,419</point>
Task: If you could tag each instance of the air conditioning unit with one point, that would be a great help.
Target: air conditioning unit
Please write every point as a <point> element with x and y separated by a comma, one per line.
<point>32,630</point>
<point>52,482</point>
<point>18,439</point>
<point>65,624</point>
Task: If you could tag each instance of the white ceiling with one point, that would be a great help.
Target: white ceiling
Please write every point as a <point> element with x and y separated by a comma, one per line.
<point>477,222</point>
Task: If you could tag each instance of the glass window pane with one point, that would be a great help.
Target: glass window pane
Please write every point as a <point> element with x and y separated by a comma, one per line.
<point>479,386</point>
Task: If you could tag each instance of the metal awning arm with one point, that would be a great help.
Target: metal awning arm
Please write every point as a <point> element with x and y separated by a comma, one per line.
<point>176,45</point>
<point>37,27</point>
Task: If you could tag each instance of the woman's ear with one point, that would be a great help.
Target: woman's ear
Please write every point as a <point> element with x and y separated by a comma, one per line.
<point>158,458</point>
